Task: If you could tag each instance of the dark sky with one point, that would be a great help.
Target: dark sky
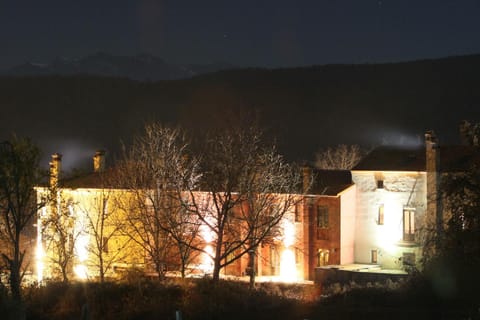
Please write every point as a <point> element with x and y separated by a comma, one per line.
<point>270,33</point>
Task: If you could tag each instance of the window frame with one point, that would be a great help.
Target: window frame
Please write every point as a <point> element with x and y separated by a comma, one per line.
<point>323,220</point>
<point>381,215</point>
<point>323,256</point>
<point>408,224</point>
<point>374,256</point>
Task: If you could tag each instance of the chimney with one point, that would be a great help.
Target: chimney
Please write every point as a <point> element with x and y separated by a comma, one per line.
<point>434,204</point>
<point>307,178</point>
<point>55,169</point>
<point>432,155</point>
<point>99,161</point>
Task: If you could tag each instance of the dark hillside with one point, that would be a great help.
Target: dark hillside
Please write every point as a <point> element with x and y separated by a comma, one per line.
<point>305,108</point>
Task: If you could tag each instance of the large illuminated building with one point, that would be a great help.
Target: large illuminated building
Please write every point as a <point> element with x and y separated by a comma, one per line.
<point>369,218</point>
<point>398,200</point>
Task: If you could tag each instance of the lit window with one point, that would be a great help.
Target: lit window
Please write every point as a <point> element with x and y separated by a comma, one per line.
<point>322,257</point>
<point>231,255</point>
<point>380,219</point>
<point>408,224</point>
<point>374,256</point>
<point>274,259</point>
<point>322,217</point>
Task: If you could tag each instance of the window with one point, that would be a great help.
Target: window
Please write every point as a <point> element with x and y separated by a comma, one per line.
<point>274,260</point>
<point>379,184</point>
<point>374,256</point>
<point>322,217</point>
<point>408,224</point>
<point>231,255</point>
<point>322,257</point>
<point>380,215</point>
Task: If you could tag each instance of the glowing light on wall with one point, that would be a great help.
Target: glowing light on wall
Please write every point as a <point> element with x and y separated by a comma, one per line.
<point>81,253</point>
<point>40,255</point>
<point>390,233</point>
<point>207,234</point>
<point>288,269</point>
<point>39,251</point>
<point>81,271</point>
<point>288,233</point>
<point>207,263</point>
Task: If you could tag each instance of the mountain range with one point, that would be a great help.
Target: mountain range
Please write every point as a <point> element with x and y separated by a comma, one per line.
<point>142,67</point>
<point>304,109</point>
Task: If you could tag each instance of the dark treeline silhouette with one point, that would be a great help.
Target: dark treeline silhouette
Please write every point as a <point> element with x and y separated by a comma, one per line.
<point>304,108</point>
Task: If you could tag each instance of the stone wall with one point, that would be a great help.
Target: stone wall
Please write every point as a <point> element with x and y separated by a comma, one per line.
<point>393,191</point>
<point>329,276</point>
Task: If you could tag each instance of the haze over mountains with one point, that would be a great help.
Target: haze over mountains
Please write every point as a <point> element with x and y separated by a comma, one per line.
<point>142,67</point>
<point>303,108</point>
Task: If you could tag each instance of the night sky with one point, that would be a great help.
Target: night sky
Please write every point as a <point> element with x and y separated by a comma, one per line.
<point>269,33</point>
<point>247,33</point>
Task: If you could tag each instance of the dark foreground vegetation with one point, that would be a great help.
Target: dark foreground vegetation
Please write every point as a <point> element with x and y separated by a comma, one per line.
<point>202,299</point>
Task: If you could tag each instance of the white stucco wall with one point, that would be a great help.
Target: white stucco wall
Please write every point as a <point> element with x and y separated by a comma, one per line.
<point>401,190</point>
<point>347,225</point>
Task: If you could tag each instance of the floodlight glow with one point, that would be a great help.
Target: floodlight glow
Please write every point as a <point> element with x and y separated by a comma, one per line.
<point>288,233</point>
<point>288,270</point>
<point>81,271</point>
<point>391,232</point>
<point>207,263</point>
<point>40,254</point>
<point>207,234</point>
<point>81,253</point>
<point>39,251</point>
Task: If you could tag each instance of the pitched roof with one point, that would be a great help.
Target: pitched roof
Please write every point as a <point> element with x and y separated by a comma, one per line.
<point>330,182</point>
<point>94,180</point>
<point>388,158</point>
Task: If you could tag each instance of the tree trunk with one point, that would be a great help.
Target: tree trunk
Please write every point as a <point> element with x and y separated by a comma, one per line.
<point>251,267</point>
<point>64,273</point>
<point>182,268</point>
<point>15,266</point>
<point>218,256</point>
<point>15,280</point>
<point>101,269</point>
<point>216,270</point>
<point>159,268</point>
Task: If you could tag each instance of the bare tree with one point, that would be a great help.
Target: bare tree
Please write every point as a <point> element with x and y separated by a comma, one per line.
<point>343,157</point>
<point>156,170</point>
<point>184,229</point>
<point>58,234</point>
<point>245,183</point>
<point>19,174</point>
<point>102,225</point>
<point>470,133</point>
<point>273,191</point>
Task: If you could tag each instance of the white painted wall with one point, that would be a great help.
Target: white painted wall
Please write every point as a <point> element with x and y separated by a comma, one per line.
<point>401,189</point>
<point>347,225</point>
